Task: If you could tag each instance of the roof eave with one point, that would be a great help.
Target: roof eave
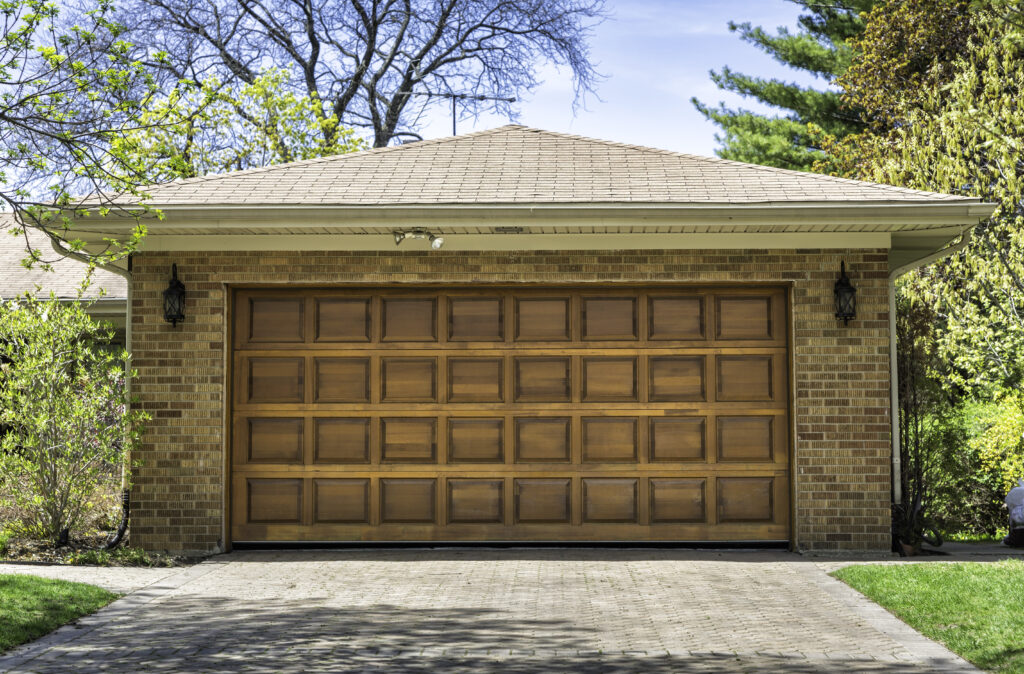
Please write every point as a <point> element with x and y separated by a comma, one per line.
<point>902,212</point>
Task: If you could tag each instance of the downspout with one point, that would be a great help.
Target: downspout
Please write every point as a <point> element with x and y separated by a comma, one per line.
<point>127,275</point>
<point>894,383</point>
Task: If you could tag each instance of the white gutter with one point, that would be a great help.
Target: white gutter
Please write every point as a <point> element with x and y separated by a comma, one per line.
<point>894,383</point>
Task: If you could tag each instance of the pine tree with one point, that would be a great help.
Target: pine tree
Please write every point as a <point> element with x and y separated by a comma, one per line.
<point>820,47</point>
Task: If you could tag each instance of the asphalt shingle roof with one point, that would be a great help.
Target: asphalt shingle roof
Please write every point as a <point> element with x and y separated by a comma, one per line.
<point>520,165</point>
<point>65,279</point>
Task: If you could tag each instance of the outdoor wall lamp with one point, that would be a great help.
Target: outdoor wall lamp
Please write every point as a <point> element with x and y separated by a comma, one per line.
<point>846,296</point>
<point>174,299</point>
<point>435,241</point>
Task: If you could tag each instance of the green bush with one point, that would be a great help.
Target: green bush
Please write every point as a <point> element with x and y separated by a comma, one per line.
<point>64,410</point>
<point>981,458</point>
<point>998,441</point>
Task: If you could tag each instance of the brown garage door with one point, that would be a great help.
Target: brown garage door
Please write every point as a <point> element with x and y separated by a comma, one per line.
<point>510,414</point>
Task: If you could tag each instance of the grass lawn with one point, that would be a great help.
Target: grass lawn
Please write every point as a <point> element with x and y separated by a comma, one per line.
<point>976,609</point>
<point>31,607</point>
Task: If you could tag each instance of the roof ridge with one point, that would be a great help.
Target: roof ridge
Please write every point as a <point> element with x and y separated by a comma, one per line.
<point>329,158</point>
<point>732,162</point>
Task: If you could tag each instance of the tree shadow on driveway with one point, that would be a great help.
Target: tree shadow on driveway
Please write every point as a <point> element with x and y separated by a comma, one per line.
<point>188,633</point>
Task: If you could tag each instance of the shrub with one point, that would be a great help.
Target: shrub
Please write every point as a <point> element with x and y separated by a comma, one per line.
<point>65,414</point>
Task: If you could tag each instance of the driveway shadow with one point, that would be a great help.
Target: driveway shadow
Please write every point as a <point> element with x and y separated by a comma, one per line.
<point>204,634</point>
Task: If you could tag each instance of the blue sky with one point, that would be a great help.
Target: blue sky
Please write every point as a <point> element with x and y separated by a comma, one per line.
<point>656,55</point>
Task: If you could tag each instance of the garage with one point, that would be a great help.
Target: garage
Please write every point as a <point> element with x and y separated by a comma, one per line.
<point>492,413</point>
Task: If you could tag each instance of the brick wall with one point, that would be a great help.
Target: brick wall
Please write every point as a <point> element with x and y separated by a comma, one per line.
<point>842,451</point>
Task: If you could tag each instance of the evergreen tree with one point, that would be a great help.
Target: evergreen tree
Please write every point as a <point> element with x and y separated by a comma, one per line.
<point>820,47</point>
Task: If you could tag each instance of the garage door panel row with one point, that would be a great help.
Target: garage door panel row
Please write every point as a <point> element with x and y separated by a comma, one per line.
<point>743,438</point>
<point>563,500</point>
<point>311,379</point>
<point>520,316</point>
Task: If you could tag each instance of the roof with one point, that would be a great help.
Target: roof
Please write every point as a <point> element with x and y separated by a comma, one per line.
<point>517,165</point>
<point>63,281</point>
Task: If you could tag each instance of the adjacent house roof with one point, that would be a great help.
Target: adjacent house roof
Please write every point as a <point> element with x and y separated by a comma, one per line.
<point>65,279</point>
<point>516,165</point>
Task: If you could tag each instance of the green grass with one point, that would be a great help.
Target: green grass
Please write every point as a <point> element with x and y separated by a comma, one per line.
<point>31,607</point>
<point>976,609</point>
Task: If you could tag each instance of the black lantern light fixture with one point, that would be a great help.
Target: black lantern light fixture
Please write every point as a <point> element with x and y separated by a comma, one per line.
<point>846,297</point>
<point>174,299</point>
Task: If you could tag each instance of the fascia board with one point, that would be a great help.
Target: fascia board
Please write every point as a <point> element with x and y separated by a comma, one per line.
<point>931,214</point>
<point>514,242</point>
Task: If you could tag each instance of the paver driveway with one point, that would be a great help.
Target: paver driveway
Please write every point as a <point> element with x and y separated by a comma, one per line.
<point>520,610</point>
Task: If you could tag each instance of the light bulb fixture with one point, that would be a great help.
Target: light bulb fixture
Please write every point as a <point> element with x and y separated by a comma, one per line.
<point>419,233</point>
<point>845,296</point>
<point>174,299</point>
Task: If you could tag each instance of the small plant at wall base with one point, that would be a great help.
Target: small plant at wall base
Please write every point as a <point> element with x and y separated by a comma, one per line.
<point>65,416</point>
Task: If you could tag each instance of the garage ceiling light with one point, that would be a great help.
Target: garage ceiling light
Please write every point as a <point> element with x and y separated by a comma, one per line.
<point>435,241</point>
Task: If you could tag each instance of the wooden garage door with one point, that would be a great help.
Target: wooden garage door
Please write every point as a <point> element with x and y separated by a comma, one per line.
<point>510,414</point>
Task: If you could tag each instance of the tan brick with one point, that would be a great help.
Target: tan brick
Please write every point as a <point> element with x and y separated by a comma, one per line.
<point>841,414</point>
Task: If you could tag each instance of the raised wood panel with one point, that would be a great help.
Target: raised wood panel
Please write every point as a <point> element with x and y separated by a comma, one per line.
<point>542,500</point>
<point>609,500</point>
<point>341,380</point>
<point>542,379</point>
<point>341,501</point>
<point>275,319</point>
<point>677,500</point>
<point>746,438</point>
<point>274,440</point>
<point>676,439</point>
<point>277,501</point>
<point>476,319</point>
<point>542,319</point>
<point>409,440</point>
<point>409,319</point>
<point>677,379</point>
<point>410,501</point>
<point>609,439</point>
<point>408,379</point>
<point>342,319</point>
<point>676,318</point>
<point>476,501</point>
<point>609,379</point>
<point>341,440</point>
<point>745,378</point>
<point>542,440</point>
<point>516,413</point>
<point>479,380</point>
<point>746,499</point>
<point>609,318</point>
<point>275,380</point>
<point>743,318</point>
<point>476,441</point>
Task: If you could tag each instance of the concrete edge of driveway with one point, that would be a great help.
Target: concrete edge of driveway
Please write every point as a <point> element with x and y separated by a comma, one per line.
<point>118,609</point>
<point>931,652</point>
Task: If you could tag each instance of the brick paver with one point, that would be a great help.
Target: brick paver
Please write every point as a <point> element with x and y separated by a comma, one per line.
<point>540,610</point>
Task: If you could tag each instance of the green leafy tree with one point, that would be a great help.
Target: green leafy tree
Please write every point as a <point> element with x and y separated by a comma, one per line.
<point>66,92</point>
<point>821,47</point>
<point>965,136</point>
<point>212,128</point>
<point>68,426</point>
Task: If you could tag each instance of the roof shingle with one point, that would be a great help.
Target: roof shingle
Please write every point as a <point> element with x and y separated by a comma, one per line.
<point>520,165</point>
<point>65,279</point>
